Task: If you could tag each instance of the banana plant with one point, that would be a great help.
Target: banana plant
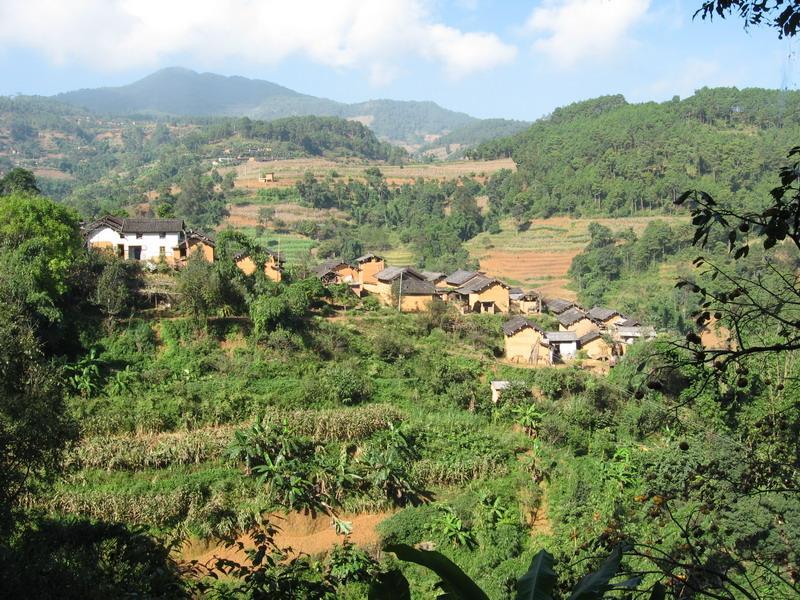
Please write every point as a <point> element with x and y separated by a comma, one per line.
<point>537,583</point>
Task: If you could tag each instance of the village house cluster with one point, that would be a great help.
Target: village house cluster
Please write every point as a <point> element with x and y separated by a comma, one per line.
<point>598,333</point>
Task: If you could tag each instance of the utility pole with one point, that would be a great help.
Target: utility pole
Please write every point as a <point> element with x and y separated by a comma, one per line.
<point>400,294</point>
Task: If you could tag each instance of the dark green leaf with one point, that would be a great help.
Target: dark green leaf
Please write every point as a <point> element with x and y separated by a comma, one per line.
<point>539,581</point>
<point>594,585</point>
<point>456,582</point>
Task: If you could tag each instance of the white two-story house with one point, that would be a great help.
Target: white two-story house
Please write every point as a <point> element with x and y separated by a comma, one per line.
<point>155,240</point>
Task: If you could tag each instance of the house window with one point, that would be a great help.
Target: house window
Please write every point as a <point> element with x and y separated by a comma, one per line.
<point>162,251</point>
<point>121,235</point>
<point>138,236</point>
<point>162,235</point>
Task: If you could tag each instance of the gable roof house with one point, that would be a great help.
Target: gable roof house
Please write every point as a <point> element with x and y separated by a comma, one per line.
<point>196,241</point>
<point>596,346</point>
<point>336,271</point>
<point>435,277</point>
<point>155,240</point>
<point>574,319</point>
<point>273,266</point>
<point>557,306</point>
<point>368,265</point>
<point>525,303</point>
<point>386,279</point>
<point>482,294</point>
<point>523,341</point>
<point>414,295</point>
<point>605,317</point>
<point>460,277</point>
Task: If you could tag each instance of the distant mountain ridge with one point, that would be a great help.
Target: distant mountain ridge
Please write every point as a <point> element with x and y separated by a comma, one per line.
<point>183,92</point>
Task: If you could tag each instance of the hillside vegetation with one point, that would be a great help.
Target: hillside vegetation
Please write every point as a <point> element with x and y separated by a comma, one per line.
<point>609,157</point>
<point>177,91</point>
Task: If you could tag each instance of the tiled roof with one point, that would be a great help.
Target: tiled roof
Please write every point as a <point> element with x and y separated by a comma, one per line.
<point>478,284</point>
<point>628,323</point>
<point>517,324</point>
<point>392,273</point>
<point>558,305</point>
<point>191,234</point>
<point>329,266</point>
<point>589,337</point>
<point>367,257</point>
<point>416,287</point>
<point>152,225</point>
<point>460,277</point>
<point>598,313</point>
<point>431,275</point>
<point>571,316</point>
<point>561,337</point>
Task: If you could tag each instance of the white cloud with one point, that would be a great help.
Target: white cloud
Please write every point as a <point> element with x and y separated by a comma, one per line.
<point>376,36</point>
<point>570,31</point>
<point>688,77</point>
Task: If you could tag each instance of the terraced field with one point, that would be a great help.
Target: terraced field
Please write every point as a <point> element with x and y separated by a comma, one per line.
<point>288,172</point>
<point>540,257</point>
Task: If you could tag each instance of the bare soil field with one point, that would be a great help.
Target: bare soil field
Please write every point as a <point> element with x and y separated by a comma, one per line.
<point>288,172</point>
<point>303,533</point>
<point>50,173</point>
<point>246,215</point>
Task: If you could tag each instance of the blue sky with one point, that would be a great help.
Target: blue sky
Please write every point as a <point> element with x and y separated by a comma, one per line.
<point>515,59</point>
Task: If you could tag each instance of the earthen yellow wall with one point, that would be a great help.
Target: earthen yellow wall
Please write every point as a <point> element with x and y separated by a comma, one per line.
<point>366,273</point>
<point>597,349</point>
<point>494,293</point>
<point>247,265</point>
<point>580,328</point>
<point>527,308</point>
<point>206,250</point>
<point>272,270</point>
<point>519,346</point>
<point>415,303</point>
<point>346,274</point>
<point>611,321</point>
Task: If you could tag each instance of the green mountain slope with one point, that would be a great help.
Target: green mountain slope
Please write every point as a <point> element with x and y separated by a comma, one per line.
<point>607,156</point>
<point>178,91</point>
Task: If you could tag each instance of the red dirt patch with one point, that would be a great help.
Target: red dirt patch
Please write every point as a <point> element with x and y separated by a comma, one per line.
<point>301,532</point>
<point>524,266</point>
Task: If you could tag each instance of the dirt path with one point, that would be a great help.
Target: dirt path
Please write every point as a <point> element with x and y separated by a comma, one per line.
<point>300,532</point>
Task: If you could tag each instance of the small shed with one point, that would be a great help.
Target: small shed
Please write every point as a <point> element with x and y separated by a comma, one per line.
<point>563,345</point>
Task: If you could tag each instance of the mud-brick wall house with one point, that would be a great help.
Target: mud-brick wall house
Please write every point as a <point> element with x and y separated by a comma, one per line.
<point>605,317</point>
<point>386,279</point>
<point>368,266</point>
<point>577,321</point>
<point>196,242</point>
<point>523,342</point>
<point>273,266</point>
<point>595,346</point>
<point>484,295</point>
<point>414,295</point>
<point>337,271</point>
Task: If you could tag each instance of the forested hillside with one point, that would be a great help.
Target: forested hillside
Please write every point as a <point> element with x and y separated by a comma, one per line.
<point>607,156</point>
<point>182,92</point>
<point>107,165</point>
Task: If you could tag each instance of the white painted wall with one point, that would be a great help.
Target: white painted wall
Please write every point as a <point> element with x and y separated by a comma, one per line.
<point>151,243</point>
